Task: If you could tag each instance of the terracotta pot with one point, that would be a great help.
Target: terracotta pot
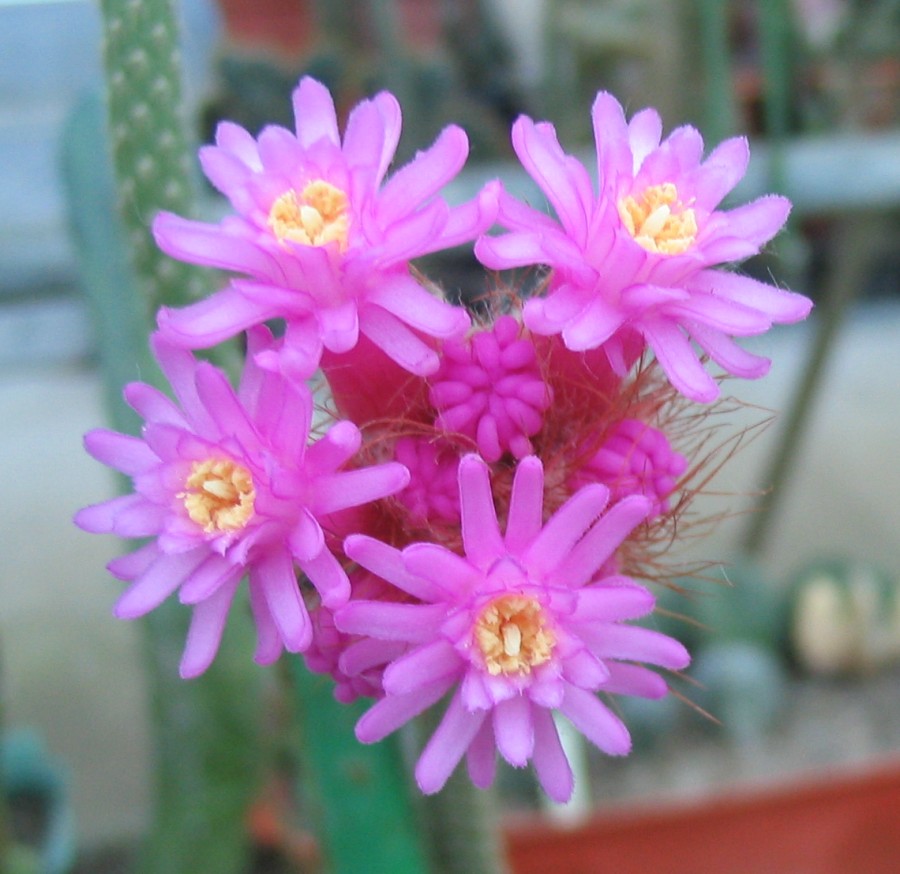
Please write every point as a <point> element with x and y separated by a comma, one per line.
<point>847,823</point>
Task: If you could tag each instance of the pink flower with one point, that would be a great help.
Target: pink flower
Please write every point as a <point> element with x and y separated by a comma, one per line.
<point>637,255</point>
<point>325,245</point>
<point>635,459</point>
<point>227,486</point>
<point>432,494</point>
<point>490,389</point>
<point>520,626</point>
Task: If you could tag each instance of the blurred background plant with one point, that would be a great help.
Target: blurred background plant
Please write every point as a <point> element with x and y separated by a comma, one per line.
<point>815,83</point>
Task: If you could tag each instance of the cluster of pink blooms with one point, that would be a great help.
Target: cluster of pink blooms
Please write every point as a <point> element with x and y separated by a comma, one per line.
<point>426,508</point>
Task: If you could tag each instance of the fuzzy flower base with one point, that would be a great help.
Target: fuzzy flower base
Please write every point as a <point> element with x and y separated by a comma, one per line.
<point>474,516</point>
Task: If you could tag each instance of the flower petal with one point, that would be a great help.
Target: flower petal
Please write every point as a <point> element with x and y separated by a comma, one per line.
<point>595,721</point>
<point>447,746</point>
<point>205,631</point>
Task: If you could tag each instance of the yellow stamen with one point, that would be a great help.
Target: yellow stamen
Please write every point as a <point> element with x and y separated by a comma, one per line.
<point>513,636</point>
<point>219,495</point>
<point>316,216</point>
<point>658,221</point>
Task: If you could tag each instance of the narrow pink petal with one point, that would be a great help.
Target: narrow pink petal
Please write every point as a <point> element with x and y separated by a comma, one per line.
<point>686,146</point>
<point>758,221</point>
<point>159,581</point>
<point>393,711</point>
<point>718,314</point>
<point>424,176</point>
<point>152,405</point>
<point>133,564</point>
<point>467,220</point>
<point>339,326</point>
<point>218,396</point>
<point>526,504</point>
<point>584,670</point>
<point>367,653</point>
<point>447,746</point>
<point>413,623</point>
<point>227,172</point>
<point>779,305</point>
<point>213,320</point>
<point>614,159</point>
<point>388,563</point>
<point>122,452</point>
<point>329,578</point>
<point>516,249</point>
<point>373,131</point>
<point>128,516</point>
<point>565,528</point>
<point>280,154</point>
<point>593,326</point>
<point>679,361</point>
<point>213,573</point>
<point>397,341</point>
<point>180,367</point>
<point>402,296</point>
<point>606,602</point>
<point>212,246</point>
<point>340,443</point>
<point>626,679</point>
<point>284,413</point>
<point>275,577</point>
<point>306,540</point>
<point>514,215</point>
<point>596,721</point>
<point>562,179</point>
<point>205,632</point>
<point>481,757</point>
<point>550,763</point>
<point>423,666</point>
<point>258,338</point>
<point>513,730</point>
<point>412,235</point>
<point>480,531</point>
<point>314,113</point>
<point>269,645</point>
<point>644,133</point>
<point>441,572</point>
<point>634,643</point>
<point>728,355</point>
<point>721,171</point>
<point>233,138</point>
<point>299,357</point>
<point>601,541</point>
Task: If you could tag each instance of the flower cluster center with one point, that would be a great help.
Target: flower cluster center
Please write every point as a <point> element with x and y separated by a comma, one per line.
<point>658,221</point>
<point>513,636</point>
<point>318,215</point>
<point>219,495</point>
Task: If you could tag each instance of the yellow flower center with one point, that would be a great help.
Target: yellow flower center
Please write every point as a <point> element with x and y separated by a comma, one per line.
<point>219,495</point>
<point>316,216</point>
<point>658,221</point>
<point>512,634</point>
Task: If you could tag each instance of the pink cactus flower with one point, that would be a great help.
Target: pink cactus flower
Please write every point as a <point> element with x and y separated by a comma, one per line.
<point>432,494</point>
<point>490,389</point>
<point>520,626</point>
<point>226,486</point>
<point>321,241</point>
<point>637,256</point>
<point>635,459</point>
